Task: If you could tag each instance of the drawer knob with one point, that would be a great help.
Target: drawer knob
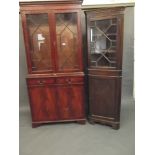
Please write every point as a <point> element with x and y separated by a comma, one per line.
<point>68,81</point>
<point>41,82</point>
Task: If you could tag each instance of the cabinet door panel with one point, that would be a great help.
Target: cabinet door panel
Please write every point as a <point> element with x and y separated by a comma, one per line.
<point>77,101</point>
<point>102,96</point>
<point>43,103</point>
<point>39,42</point>
<point>67,41</point>
<point>63,101</point>
<point>71,100</point>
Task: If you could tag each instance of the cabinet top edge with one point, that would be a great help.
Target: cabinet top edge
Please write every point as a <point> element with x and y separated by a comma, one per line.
<point>106,9</point>
<point>106,6</point>
<point>24,3</point>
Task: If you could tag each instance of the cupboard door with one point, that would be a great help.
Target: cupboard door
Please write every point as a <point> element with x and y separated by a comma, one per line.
<point>67,41</point>
<point>63,100</point>
<point>71,101</point>
<point>39,43</point>
<point>43,103</point>
<point>102,96</point>
<point>77,101</point>
<point>103,42</point>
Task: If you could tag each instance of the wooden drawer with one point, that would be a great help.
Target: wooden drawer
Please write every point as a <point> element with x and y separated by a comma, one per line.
<point>76,79</point>
<point>40,81</point>
<point>61,80</point>
<point>69,80</point>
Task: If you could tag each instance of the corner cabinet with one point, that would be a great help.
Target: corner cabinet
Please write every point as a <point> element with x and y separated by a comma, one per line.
<point>104,69</point>
<point>55,80</point>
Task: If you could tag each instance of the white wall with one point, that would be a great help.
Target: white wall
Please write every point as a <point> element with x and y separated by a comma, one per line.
<point>93,2</point>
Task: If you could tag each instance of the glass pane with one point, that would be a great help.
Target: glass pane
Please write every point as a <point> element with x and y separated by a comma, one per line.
<point>103,24</point>
<point>103,42</point>
<point>112,29</point>
<point>67,41</point>
<point>39,35</point>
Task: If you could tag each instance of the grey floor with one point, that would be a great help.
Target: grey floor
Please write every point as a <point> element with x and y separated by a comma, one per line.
<point>76,139</point>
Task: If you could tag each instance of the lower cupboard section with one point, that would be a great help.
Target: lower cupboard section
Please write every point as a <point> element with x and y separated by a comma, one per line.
<point>105,100</point>
<point>56,103</point>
